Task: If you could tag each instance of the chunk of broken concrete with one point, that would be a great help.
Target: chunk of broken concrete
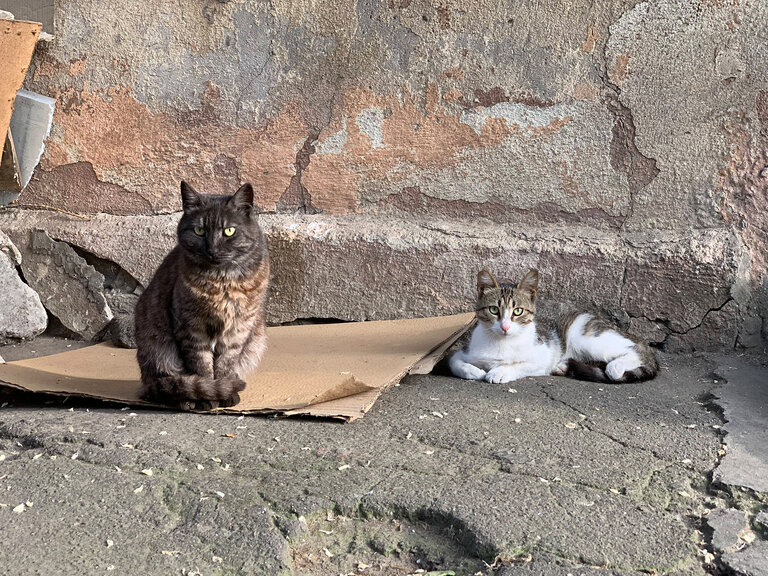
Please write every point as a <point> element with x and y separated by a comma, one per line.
<point>7,247</point>
<point>22,315</point>
<point>751,561</point>
<point>70,288</point>
<point>120,331</point>
<point>727,524</point>
<point>762,519</point>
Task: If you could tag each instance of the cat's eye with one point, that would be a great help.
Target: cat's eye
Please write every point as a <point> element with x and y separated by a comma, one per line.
<point>493,310</point>
<point>229,231</point>
<point>199,230</point>
<point>517,311</point>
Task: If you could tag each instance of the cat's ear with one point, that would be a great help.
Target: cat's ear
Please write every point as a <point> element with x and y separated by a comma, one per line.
<point>243,198</point>
<point>530,283</point>
<point>189,198</point>
<point>485,281</point>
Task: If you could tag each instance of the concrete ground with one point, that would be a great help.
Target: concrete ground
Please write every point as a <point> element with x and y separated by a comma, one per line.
<point>443,476</point>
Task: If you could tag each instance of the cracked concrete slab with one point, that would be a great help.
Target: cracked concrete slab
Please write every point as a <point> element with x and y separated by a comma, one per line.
<point>547,477</point>
<point>753,561</point>
<point>744,399</point>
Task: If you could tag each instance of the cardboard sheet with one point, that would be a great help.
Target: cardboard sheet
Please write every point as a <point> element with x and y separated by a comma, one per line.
<point>327,370</point>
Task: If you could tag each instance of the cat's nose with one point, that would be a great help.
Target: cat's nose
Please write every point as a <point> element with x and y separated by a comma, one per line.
<point>506,326</point>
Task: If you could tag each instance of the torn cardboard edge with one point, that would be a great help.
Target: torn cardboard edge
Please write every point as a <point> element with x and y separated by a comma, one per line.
<point>323,370</point>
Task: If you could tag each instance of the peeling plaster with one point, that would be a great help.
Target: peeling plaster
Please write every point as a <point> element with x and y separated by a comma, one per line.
<point>370,122</point>
<point>519,116</point>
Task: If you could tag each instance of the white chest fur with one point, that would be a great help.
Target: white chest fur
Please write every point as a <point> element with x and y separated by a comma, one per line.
<point>488,349</point>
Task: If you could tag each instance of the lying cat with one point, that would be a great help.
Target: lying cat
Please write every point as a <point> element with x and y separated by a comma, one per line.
<point>200,323</point>
<point>507,344</point>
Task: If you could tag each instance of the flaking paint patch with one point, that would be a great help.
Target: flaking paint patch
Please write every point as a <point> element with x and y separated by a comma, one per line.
<point>585,91</point>
<point>593,35</point>
<point>453,95</point>
<point>520,116</point>
<point>412,138</point>
<point>618,71</point>
<point>148,153</point>
<point>48,67</point>
<point>334,144</point>
<point>370,121</point>
<point>77,67</point>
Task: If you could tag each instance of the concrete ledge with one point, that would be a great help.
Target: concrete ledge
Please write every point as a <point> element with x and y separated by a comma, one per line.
<point>664,284</point>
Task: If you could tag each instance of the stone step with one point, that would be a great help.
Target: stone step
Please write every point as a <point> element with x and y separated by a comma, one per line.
<point>668,286</point>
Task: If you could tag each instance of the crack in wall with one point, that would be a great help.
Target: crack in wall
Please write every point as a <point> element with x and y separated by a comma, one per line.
<point>296,196</point>
<point>625,156</point>
<point>673,332</point>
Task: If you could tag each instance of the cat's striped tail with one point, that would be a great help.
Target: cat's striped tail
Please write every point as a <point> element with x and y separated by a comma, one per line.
<point>591,373</point>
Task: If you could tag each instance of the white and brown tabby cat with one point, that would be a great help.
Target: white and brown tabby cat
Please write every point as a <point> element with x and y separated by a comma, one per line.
<point>507,344</point>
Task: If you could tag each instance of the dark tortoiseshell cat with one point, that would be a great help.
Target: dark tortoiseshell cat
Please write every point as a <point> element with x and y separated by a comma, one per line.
<point>200,323</point>
<point>507,344</point>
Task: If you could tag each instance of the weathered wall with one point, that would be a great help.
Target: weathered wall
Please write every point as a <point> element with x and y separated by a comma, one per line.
<point>619,146</point>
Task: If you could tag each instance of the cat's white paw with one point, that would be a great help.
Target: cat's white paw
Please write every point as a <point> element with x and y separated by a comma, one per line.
<point>501,375</point>
<point>469,372</point>
<point>560,369</point>
<point>615,369</point>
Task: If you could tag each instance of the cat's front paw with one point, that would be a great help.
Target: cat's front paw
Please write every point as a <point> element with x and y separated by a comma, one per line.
<point>197,405</point>
<point>469,372</point>
<point>501,375</point>
<point>229,385</point>
<point>233,400</point>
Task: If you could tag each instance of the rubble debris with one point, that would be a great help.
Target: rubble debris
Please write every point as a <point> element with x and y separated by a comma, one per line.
<point>69,287</point>
<point>726,523</point>
<point>22,315</point>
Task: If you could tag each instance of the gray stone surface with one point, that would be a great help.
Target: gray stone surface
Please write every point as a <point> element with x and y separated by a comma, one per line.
<point>576,475</point>
<point>9,249</point>
<point>120,331</point>
<point>752,561</point>
<point>744,399</point>
<point>726,524</point>
<point>21,314</point>
<point>761,519</point>
<point>358,268</point>
<point>70,289</point>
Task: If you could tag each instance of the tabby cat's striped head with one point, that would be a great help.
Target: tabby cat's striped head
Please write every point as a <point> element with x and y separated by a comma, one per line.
<point>506,308</point>
<point>220,232</point>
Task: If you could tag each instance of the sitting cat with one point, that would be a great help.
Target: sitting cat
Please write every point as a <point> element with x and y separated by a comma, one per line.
<point>200,323</point>
<point>507,344</point>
